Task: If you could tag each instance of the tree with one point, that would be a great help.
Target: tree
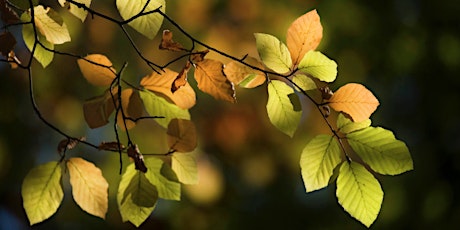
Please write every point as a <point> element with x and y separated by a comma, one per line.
<point>294,73</point>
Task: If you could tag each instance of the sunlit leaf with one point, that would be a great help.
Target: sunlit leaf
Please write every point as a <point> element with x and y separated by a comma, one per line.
<point>97,110</point>
<point>182,135</point>
<point>147,24</point>
<point>198,56</point>
<point>280,109</point>
<point>303,35</point>
<point>319,66</point>
<point>185,167</point>
<point>318,161</point>
<point>355,100</point>
<point>42,192</point>
<point>158,106</point>
<point>181,80</point>
<point>43,56</point>
<point>304,82</point>
<point>97,69</point>
<point>379,148</point>
<point>89,187</point>
<point>163,178</point>
<point>359,192</point>
<point>136,197</point>
<point>167,42</point>
<point>346,125</point>
<point>274,54</point>
<point>132,108</point>
<point>50,25</point>
<point>75,10</point>
<point>210,77</point>
<point>243,75</point>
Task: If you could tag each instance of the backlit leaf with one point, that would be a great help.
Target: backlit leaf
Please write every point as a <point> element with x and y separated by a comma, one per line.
<point>359,192</point>
<point>167,42</point>
<point>147,24</point>
<point>50,25</point>
<point>97,69</point>
<point>318,161</point>
<point>303,35</point>
<point>163,178</point>
<point>319,66</point>
<point>97,110</point>
<point>181,135</point>
<point>136,197</point>
<point>243,75</point>
<point>280,109</point>
<point>158,106</point>
<point>379,148</point>
<point>181,79</point>
<point>355,100</point>
<point>210,77</point>
<point>185,167</point>
<point>89,187</point>
<point>304,82</point>
<point>43,56</point>
<point>346,125</point>
<point>42,192</point>
<point>274,54</point>
<point>132,109</point>
<point>75,10</point>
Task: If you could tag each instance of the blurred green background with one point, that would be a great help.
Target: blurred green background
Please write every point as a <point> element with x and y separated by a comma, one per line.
<point>406,52</point>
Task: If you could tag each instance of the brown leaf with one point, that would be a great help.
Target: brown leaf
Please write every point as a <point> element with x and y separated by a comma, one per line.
<point>211,80</point>
<point>243,75</point>
<point>184,97</point>
<point>198,56</point>
<point>167,42</point>
<point>111,146</point>
<point>355,100</point>
<point>135,154</point>
<point>97,69</point>
<point>181,135</point>
<point>304,34</point>
<point>97,110</point>
<point>8,15</point>
<point>7,43</point>
<point>181,79</point>
<point>68,144</point>
<point>132,108</point>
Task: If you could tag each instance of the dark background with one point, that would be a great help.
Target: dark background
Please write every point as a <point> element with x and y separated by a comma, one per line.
<point>406,52</point>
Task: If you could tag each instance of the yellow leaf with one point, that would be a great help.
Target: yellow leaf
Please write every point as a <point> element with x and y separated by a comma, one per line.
<point>185,167</point>
<point>355,100</point>
<point>211,80</point>
<point>303,35</point>
<point>89,187</point>
<point>50,24</point>
<point>181,135</point>
<point>245,76</point>
<point>132,108</point>
<point>97,69</point>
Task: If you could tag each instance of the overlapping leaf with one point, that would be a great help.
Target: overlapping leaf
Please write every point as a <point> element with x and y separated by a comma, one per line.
<point>43,56</point>
<point>379,148</point>
<point>346,125</point>
<point>149,23</point>
<point>78,12</point>
<point>97,69</point>
<point>42,192</point>
<point>185,167</point>
<point>274,54</point>
<point>304,82</point>
<point>243,75</point>
<point>355,100</point>
<point>359,192</point>
<point>158,106</point>
<point>132,109</point>
<point>51,25</point>
<point>319,66</point>
<point>210,77</point>
<point>182,135</point>
<point>97,110</point>
<point>163,178</point>
<point>89,187</point>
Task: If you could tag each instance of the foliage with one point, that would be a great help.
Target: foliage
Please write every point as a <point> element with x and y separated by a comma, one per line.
<point>291,72</point>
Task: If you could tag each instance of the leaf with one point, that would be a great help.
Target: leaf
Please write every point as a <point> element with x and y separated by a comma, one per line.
<point>185,167</point>
<point>379,148</point>
<point>158,106</point>
<point>245,76</point>
<point>147,24</point>
<point>318,161</point>
<point>346,125</point>
<point>77,11</point>
<point>136,197</point>
<point>97,69</point>
<point>163,178</point>
<point>198,56</point>
<point>210,77</point>
<point>359,193</point>
<point>355,100</point>
<point>184,97</point>
<point>7,43</point>
<point>274,54</point>
<point>8,16</point>
<point>181,79</point>
<point>97,110</point>
<point>304,34</point>
<point>43,56</point>
<point>50,25</point>
<point>304,82</point>
<point>42,192</point>
<point>24,4</point>
<point>167,42</point>
<point>280,110</point>
<point>132,109</point>
<point>319,66</point>
<point>182,135</point>
<point>135,154</point>
<point>89,187</point>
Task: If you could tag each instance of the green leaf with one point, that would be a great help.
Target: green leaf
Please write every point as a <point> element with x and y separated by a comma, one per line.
<point>51,25</point>
<point>304,82</point>
<point>346,125</point>
<point>163,178</point>
<point>43,56</point>
<point>318,160</point>
<point>274,54</point>
<point>281,111</point>
<point>136,197</point>
<point>147,24</point>
<point>158,106</point>
<point>185,167</point>
<point>319,66</point>
<point>359,192</point>
<point>42,192</point>
<point>379,148</point>
<point>77,11</point>
<point>24,4</point>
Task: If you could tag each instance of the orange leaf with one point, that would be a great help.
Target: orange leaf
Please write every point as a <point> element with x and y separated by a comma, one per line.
<point>355,100</point>
<point>132,108</point>
<point>97,69</point>
<point>181,79</point>
<point>184,97</point>
<point>181,135</point>
<point>211,79</point>
<point>198,56</point>
<point>168,44</point>
<point>303,35</point>
<point>243,75</point>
